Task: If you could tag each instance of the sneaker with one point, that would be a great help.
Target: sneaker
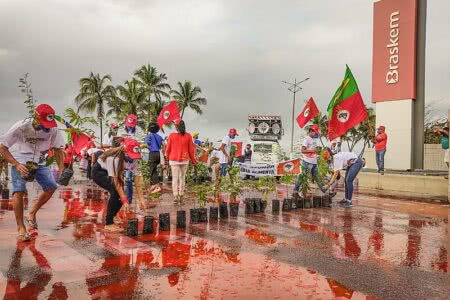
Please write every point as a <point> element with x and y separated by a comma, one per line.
<point>347,204</point>
<point>382,172</point>
<point>343,201</point>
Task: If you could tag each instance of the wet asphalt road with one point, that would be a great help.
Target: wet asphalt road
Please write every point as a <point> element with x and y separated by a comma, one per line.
<point>380,248</point>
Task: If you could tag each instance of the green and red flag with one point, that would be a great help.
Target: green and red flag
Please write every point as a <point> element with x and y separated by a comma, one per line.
<point>346,109</point>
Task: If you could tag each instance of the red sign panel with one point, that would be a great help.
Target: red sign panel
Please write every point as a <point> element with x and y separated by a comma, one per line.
<point>394,50</point>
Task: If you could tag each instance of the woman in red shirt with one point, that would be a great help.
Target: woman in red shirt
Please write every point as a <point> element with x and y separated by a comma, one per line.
<point>179,150</point>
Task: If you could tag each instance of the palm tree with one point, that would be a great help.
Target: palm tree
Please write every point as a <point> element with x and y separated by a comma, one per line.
<point>95,93</point>
<point>187,97</point>
<point>152,83</point>
<point>131,99</point>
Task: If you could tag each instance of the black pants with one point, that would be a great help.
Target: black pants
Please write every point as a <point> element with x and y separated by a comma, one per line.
<point>89,169</point>
<point>154,159</point>
<point>101,178</point>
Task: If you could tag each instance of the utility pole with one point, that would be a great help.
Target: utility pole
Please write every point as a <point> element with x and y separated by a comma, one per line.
<point>294,88</point>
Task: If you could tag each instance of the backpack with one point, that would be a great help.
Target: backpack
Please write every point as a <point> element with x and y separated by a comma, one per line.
<point>444,142</point>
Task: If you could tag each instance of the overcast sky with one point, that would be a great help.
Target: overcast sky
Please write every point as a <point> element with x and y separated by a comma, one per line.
<point>238,52</point>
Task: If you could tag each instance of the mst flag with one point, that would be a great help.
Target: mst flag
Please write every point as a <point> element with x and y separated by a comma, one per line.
<point>346,109</point>
<point>288,167</point>
<point>309,112</point>
<point>168,114</point>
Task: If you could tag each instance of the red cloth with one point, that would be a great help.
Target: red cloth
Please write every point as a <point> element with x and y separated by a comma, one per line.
<point>68,155</point>
<point>168,114</point>
<point>381,141</point>
<point>309,112</point>
<point>180,147</point>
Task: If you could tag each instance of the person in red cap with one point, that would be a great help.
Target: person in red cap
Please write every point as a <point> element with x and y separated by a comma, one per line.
<point>108,173</point>
<point>32,138</point>
<point>309,160</point>
<point>225,150</point>
<point>130,131</point>
<point>380,142</point>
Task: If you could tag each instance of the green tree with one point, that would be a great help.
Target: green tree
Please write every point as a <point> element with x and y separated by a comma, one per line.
<point>25,87</point>
<point>153,85</point>
<point>187,96</point>
<point>95,93</point>
<point>131,98</point>
<point>363,132</point>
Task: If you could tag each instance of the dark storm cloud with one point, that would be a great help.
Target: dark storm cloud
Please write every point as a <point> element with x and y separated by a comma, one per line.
<point>237,51</point>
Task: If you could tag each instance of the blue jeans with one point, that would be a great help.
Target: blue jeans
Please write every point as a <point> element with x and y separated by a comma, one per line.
<point>350,176</point>
<point>379,155</point>
<point>129,185</point>
<point>223,169</point>
<point>306,166</point>
<point>43,176</point>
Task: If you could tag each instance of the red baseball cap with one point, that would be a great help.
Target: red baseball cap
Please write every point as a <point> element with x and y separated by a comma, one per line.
<point>382,127</point>
<point>113,126</point>
<point>315,128</point>
<point>132,148</point>
<point>131,121</point>
<point>233,131</point>
<point>46,115</point>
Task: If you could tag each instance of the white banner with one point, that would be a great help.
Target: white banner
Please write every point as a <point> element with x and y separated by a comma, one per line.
<point>256,170</point>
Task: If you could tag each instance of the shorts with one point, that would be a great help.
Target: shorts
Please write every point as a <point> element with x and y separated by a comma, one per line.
<point>43,176</point>
<point>446,156</point>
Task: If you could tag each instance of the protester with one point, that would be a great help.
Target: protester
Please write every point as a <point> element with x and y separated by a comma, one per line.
<point>25,144</point>
<point>196,140</point>
<point>92,155</point>
<point>336,146</point>
<point>309,161</point>
<point>154,143</point>
<point>248,154</point>
<point>108,174</point>
<point>352,164</point>
<point>380,142</point>
<point>130,131</point>
<point>109,138</point>
<point>443,133</point>
<point>180,149</point>
<point>225,148</point>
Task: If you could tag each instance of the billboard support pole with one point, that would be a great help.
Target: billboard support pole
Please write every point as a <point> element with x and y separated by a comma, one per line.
<point>419,104</point>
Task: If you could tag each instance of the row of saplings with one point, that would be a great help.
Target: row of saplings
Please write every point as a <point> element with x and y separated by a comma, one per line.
<point>234,186</point>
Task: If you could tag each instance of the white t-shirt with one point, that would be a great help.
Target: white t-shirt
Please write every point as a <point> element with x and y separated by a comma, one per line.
<point>92,151</point>
<point>227,141</point>
<point>27,144</point>
<point>310,144</point>
<point>137,135</point>
<point>340,160</point>
<point>107,140</point>
<point>110,164</point>
<point>217,154</point>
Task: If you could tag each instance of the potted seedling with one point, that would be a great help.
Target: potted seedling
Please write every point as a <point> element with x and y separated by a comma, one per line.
<point>287,180</point>
<point>233,185</point>
<point>265,185</point>
<point>200,214</point>
<point>304,189</point>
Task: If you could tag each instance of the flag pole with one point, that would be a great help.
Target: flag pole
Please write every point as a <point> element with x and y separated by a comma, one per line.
<point>294,88</point>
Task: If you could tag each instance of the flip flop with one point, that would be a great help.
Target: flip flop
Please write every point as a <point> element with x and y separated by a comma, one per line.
<point>31,222</point>
<point>23,237</point>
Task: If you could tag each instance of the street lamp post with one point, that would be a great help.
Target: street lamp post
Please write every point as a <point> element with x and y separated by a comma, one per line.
<point>294,88</point>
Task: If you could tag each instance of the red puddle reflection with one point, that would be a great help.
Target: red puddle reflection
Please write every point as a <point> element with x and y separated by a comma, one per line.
<point>77,259</point>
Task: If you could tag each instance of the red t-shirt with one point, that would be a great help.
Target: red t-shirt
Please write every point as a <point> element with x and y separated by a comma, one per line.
<point>381,141</point>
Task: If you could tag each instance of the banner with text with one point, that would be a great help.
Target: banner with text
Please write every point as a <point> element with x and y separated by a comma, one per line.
<point>276,169</point>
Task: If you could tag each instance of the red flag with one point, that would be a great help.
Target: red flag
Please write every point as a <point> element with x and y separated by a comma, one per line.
<point>238,146</point>
<point>168,114</point>
<point>201,154</point>
<point>346,109</point>
<point>309,112</point>
<point>289,167</point>
<point>79,141</point>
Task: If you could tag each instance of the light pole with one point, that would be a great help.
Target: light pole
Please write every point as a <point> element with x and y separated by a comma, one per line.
<point>294,88</point>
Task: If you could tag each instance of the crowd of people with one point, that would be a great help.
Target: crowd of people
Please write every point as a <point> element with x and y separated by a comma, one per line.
<point>114,164</point>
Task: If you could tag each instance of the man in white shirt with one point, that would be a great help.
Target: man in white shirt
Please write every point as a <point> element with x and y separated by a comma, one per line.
<point>350,162</point>
<point>309,160</point>
<point>26,143</point>
<point>225,148</point>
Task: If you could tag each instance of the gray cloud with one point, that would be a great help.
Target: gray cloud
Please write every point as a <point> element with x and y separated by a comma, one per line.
<point>237,51</point>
